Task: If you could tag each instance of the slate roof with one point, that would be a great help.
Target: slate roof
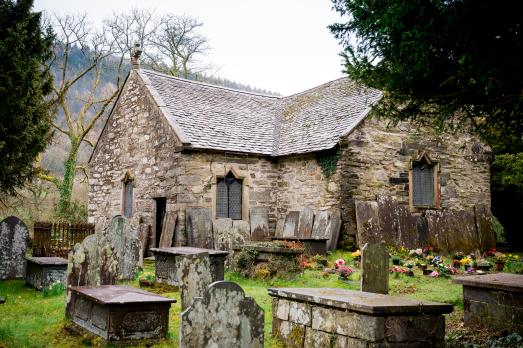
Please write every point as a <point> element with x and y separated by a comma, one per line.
<point>218,118</point>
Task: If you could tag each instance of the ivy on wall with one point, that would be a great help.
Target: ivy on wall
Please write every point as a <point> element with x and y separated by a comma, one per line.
<point>328,160</point>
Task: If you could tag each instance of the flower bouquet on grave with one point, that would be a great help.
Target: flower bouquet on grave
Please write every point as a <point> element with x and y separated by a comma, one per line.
<point>466,262</point>
<point>345,273</point>
<point>500,259</point>
<point>356,255</point>
<point>484,265</point>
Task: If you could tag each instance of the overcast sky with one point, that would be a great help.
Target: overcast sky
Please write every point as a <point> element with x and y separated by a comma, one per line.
<point>278,45</point>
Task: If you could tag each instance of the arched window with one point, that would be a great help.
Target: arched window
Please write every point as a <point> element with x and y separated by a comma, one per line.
<point>229,197</point>
<point>424,180</point>
<point>127,196</point>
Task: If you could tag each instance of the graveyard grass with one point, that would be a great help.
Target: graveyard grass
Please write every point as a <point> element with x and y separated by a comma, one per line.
<point>34,319</point>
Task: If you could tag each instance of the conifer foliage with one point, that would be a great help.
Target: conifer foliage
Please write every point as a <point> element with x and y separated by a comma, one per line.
<point>25,120</point>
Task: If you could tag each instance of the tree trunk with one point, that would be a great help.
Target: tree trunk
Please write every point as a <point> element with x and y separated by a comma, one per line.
<point>66,186</point>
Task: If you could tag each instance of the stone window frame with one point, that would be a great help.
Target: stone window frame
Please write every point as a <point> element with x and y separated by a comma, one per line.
<point>238,174</point>
<point>128,177</point>
<point>437,191</point>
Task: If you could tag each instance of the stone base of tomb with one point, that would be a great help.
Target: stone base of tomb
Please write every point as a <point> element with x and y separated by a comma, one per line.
<point>493,300</point>
<point>119,313</point>
<point>42,272</point>
<point>343,318</point>
<point>165,259</point>
<point>311,246</point>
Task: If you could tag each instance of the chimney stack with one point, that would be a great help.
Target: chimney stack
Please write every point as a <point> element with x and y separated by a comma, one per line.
<point>135,56</point>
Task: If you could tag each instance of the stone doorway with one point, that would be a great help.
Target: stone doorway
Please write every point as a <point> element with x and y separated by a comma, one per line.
<point>160,207</point>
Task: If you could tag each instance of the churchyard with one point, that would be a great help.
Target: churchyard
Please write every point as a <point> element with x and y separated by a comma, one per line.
<point>38,318</point>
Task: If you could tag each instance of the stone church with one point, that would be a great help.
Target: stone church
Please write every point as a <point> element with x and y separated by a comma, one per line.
<point>171,146</point>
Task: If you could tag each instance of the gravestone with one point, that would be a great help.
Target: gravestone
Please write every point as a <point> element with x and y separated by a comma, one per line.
<point>169,224</point>
<point>193,273</point>
<point>367,222</point>
<point>92,263</point>
<point>222,234</point>
<point>144,230</point>
<point>198,223</point>
<point>124,241</point>
<point>333,229</point>
<point>375,268</point>
<point>259,218</point>
<point>321,224</point>
<point>241,233</point>
<point>290,228</point>
<point>305,223</point>
<point>14,236</point>
<point>279,228</point>
<point>222,317</point>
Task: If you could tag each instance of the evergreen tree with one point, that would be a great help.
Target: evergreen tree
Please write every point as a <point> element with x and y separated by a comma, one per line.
<point>25,120</point>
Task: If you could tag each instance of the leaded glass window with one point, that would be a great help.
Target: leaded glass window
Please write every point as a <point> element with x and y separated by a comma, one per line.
<point>128,198</point>
<point>423,190</point>
<point>229,197</point>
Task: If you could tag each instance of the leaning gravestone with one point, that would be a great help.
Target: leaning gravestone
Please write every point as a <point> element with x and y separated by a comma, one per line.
<point>222,317</point>
<point>333,229</point>
<point>169,225</point>
<point>375,268</point>
<point>125,243</point>
<point>198,223</point>
<point>290,228</point>
<point>305,223</point>
<point>321,224</point>
<point>259,218</point>
<point>14,236</point>
<point>193,273</point>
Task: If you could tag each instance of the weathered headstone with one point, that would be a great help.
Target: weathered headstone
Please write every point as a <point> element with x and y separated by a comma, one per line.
<point>321,224</point>
<point>193,273</point>
<point>222,317</point>
<point>367,222</point>
<point>124,241</point>
<point>144,230</point>
<point>198,223</point>
<point>487,238</point>
<point>169,224</point>
<point>290,228</point>
<point>333,229</point>
<point>375,268</point>
<point>279,228</point>
<point>92,263</point>
<point>259,218</point>
<point>305,223</point>
<point>14,236</point>
<point>222,233</point>
<point>241,233</point>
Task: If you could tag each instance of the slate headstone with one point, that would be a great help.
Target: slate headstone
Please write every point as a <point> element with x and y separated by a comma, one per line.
<point>193,273</point>
<point>367,222</point>
<point>14,236</point>
<point>222,317</point>
<point>279,228</point>
<point>144,230</point>
<point>198,223</point>
<point>305,223</point>
<point>123,238</point>
<point>259,219</point>
<point>241,232</point>
<point>168,227</point>
<point>222,233</point>
<point>375,268</point>
<point>290,228</point>
<point>92,263</point>
<point>320,229</point>
<point>333,229</point>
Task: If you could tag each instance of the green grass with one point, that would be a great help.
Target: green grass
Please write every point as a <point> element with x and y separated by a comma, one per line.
<point>28,319</point>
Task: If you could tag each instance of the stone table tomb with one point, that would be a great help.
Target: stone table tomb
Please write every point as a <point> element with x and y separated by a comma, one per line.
<point>119,313</point>
<point>493,300</point>
<point>325,317</point>
<point>166,262</point>
<point>42,272</point>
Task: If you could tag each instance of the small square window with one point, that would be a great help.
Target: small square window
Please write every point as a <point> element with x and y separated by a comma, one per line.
<point>229,197</point>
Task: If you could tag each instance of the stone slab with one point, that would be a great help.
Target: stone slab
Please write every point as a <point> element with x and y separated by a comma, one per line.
<point>333,229</point>
<point>193,272</point>
<point>320,229</point>
<point>47,261</point>
<point>259,219</point>
<point>361,302</point>
<point>280,224</point>
<point>198,225</point>
<point>499,281</point>
<point>311,246</point>
<point>168,227</point>
<point>118,294</point>
<point>305,223</point>
<point>222,317</point>
<point>290,228</point>
<point>367,222</point>
<point>222,233</point>
<point>14,237</point>
<point>241,232</point>
<point>123,238</point>
<point>375,268</point>
<point>43,272</point>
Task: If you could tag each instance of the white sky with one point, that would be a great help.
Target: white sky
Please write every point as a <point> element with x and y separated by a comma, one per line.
<point>278,45</point>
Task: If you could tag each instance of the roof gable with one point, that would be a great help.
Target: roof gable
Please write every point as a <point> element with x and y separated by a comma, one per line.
<point>217,118</point>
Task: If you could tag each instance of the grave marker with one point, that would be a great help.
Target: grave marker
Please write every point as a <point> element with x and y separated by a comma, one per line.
<point>124,241</point>
<point>193,273</point>
<point>375,268</point>
<point>305,223</point>
<point>222,317</point>
<point>14,236</point>
<point>290,228</point>
<point>169,224</point>
<point>259,218</point>
<point>198,224</point>
<point>321,224</point>
<point>222,233</point>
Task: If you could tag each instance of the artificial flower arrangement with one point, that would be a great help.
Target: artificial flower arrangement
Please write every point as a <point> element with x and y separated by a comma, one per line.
<point>345,272</point>
<point>339,263</point>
